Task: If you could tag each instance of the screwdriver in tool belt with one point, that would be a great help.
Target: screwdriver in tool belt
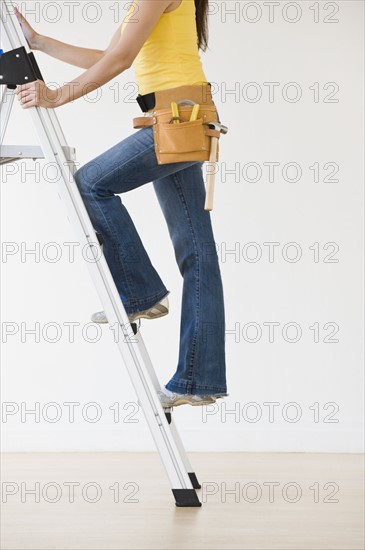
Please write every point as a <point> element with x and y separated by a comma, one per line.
<point>194,112</point>
<point>175,111</point>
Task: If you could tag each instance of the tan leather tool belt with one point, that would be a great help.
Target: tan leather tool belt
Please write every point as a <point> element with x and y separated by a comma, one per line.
<point>181,133</point>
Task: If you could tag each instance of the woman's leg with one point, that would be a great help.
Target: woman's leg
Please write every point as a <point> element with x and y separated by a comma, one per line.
<point>128,165</point>
<point>201,369</point>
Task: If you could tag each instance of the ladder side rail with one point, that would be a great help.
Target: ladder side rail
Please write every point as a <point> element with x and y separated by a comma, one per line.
<point>108,294</point>
<point>48,133</point>
<point>105,285</point>
<point>57,127</point>
<point>153,376</point>
<point>12,36</point>
<point>7,101</point>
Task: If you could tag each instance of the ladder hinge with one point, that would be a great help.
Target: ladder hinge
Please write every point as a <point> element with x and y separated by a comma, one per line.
<point>18,67</point>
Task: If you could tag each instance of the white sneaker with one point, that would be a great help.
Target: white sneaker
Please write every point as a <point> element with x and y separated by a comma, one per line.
<point>158,310</point>
<point>99,317</point>
<point>170,399</point>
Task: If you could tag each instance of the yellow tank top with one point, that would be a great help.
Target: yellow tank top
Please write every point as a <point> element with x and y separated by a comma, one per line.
<point>170,56</point>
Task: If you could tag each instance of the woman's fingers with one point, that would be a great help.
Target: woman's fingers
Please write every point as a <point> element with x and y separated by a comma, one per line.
<point>27,93</point>
<point>36,94</point>
<point>24,87</point>
<point>27,99</point>
<point>18,14</point>
<point>28,31</point>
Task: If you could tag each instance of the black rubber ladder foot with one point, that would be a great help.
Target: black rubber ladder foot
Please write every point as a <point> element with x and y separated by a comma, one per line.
<point>135,328</point>
<point>194,480</point>
<point>186,497</point>
<point>100,238</point>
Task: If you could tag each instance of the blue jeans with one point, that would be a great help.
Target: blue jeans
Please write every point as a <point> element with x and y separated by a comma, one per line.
<point>180,191</point>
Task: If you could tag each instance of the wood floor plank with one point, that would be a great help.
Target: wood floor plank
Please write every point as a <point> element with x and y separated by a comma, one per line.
<point>251,501</point>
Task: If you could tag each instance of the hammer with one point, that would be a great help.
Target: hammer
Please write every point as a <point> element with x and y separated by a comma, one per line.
<point>212,163</point>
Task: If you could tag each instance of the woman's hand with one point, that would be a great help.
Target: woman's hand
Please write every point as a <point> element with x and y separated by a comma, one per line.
<point>30,34</point>
<point>37,94</point>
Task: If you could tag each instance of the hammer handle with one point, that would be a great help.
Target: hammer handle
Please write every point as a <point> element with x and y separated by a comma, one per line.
<point>211,175</point>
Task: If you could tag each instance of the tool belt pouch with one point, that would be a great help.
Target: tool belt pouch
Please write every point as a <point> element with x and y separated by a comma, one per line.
<point>184,140</point>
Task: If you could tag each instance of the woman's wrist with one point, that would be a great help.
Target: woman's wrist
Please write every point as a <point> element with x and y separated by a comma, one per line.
<point>39,42</point>
<point>63,96</point>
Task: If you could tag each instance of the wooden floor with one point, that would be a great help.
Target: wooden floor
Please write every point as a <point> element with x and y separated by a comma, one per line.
<point>315,502</point>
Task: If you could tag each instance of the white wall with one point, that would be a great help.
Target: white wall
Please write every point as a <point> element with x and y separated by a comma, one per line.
<point>323,218</point>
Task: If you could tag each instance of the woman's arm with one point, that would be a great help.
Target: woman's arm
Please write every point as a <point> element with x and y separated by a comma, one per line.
<point>80,57</point>
<point>116,59</point>
<point>74,55</point>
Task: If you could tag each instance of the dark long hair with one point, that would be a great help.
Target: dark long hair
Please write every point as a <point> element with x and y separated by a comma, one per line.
<point>202,23</point>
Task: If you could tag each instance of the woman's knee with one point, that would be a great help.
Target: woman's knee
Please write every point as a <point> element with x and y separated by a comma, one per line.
<point>81,182</point>
<point>87,178</point>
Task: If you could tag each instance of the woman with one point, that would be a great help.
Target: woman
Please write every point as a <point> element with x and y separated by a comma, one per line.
<point>161,38</point>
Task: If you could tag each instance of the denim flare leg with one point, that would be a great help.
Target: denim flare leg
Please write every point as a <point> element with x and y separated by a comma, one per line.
<point>180,191</point>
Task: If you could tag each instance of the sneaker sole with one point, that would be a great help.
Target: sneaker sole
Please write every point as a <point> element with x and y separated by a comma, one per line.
<point>100,322</point>
<point>182,401</point>
<point>135,316</point>
<point>145,316</point>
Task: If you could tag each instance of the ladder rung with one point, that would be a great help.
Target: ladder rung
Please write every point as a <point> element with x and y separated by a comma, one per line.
<point>12,153</point>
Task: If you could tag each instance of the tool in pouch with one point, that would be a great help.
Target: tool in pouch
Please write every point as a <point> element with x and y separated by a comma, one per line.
<point>175,111</point>
<point>186,129</point>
